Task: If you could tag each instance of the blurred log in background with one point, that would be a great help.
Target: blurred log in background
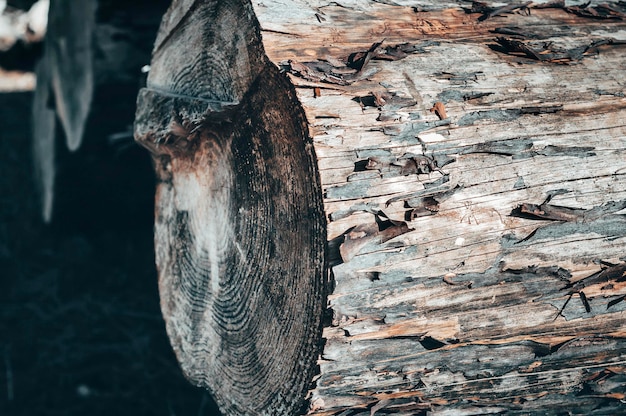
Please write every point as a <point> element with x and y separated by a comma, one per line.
<point>81,331</point>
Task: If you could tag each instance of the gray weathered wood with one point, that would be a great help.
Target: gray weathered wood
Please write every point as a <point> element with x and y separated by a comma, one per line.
<point>471,161</point>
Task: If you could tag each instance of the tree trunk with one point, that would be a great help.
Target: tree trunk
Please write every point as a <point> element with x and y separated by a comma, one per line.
<point>446,179</point>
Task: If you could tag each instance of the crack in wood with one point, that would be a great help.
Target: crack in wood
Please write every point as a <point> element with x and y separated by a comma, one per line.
<point>548,52</point>
<point>610,274</point>
<point>349,69</point>
<point>381,231</point>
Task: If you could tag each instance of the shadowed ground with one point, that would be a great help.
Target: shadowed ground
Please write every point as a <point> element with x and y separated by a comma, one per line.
<point>80,326</point>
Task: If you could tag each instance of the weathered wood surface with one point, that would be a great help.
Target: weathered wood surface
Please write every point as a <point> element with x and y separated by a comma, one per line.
<point>451,303</point>
<point>472,168</point>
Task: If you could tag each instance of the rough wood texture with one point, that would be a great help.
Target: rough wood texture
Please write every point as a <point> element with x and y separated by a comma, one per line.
<point>472,163</point>
<point>240,228</point>
<point>472,170</point>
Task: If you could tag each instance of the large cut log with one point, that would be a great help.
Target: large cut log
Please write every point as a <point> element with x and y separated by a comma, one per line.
<point>447,179</point>
<point>240,227</point>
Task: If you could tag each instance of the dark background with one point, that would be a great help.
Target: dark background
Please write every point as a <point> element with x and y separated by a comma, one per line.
<point>81,331</point>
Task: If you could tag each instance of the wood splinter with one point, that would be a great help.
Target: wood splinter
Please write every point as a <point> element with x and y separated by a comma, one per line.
<point>440,110</point>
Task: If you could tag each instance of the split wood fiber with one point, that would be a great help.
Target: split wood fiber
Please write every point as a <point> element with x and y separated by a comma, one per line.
<point>471,165</point>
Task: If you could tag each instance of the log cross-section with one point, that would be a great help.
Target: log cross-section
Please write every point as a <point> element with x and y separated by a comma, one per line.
<point>459,166</point>
<point>240,229</point>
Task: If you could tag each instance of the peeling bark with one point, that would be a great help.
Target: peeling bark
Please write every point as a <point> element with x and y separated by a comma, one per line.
<point>471,167</point>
